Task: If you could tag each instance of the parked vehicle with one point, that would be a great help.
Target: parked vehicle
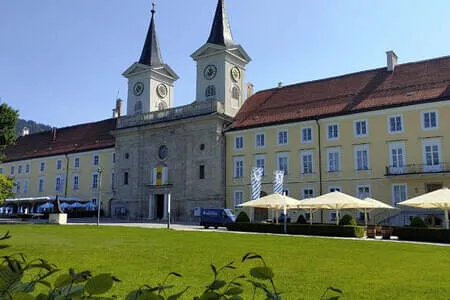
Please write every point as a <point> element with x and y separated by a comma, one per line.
<point>216,217</point>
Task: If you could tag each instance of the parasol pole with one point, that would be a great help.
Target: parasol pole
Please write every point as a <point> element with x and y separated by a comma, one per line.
<point>310,216</point>
<point>446,216</point>
<point>285,214</point>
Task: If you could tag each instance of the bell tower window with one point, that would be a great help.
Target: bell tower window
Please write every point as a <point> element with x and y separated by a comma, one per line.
<point>210,91</point>
<point>162,105</point>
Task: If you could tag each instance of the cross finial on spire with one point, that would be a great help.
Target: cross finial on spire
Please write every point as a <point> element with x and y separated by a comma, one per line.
<point>153,7</point>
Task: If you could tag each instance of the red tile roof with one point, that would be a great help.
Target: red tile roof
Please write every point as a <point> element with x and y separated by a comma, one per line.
<point>376,89</point>
<point>78,138</point>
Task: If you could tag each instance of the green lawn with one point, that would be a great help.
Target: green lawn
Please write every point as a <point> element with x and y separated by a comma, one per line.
<point>304,267</point>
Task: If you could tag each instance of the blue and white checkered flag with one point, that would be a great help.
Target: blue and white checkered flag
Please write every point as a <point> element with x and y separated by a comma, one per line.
<point>278,181</point>
<point>256,179</point>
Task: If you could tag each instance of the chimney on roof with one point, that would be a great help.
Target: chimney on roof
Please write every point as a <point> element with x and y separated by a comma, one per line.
<point>53,137</point>
<point>119,104</point>
<point>25,131</point>
<point>391,60</point>
<point>249,89</point>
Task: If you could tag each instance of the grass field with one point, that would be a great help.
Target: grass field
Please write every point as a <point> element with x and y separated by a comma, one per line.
<point>303,267</point>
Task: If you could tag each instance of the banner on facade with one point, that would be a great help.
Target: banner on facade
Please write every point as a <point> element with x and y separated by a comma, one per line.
<point>278,181</point>
<point>256,178</point>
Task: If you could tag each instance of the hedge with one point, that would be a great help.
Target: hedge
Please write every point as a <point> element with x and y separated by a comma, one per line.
<point>420,234</point>
<point>316,229</point>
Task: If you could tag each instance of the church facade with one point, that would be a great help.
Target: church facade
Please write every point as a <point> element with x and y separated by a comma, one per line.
<point>170,155</point>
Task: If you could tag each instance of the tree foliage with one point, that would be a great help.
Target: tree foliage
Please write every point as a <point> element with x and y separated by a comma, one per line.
<point>8,120</point>
<point>6,186</point>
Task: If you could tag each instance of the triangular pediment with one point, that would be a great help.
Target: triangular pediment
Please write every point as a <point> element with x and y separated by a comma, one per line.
<point>212,49</point>
<point>138,68</point>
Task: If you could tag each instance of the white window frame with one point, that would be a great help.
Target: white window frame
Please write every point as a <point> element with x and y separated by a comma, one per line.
<point>332,138</point>
<point>395,165</point>
<point>237,201</point>
<point>333,188</point>
<point>422,120</point>
<point>364,195</point>
<point>113,178</point>
<point>75,183</point>
<point>307,189</point>
<point>361,148</point>
<point>238,167</point>
<point>113,157</point>
<point>261,158</point>
<point>283,155</point>
<point>338,151</point>
<point>18,186</point>
<point>258,142</point>
<point>27,169</point>
<point>12,170</point>
<point>239,143</point>
<point>355,128</point>
<point>285,140</point>
<point>25,186</point>
<point>94,180</point>
<point>58,187</point>
<point>76,162</point>
<point>42,166</point>
<point>394,198</point>
<point>302,133</point>
<point>431,143</point>
<point>96,160</point>
<point>58,164</point>
<point>19,169</point>
<point>41,185</point>
<point>390,131</point>
<point>302,161</point>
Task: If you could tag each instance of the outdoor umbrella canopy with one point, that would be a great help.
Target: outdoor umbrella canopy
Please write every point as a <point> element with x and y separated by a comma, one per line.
<point>436,199</point>
<point>335,201</point>
<point>276,201</point>
<point>376,204</point>
<point>64,205</point>
<point>75,205</point>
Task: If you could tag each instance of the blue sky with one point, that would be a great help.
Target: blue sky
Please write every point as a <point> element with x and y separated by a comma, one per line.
<point>61,61</point>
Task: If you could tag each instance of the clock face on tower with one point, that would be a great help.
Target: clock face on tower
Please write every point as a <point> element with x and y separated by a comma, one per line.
<point>162,152</point>
<point>235,73</point>
<point>210,72</point>
<point>161,89</point>
<point>138,88</point>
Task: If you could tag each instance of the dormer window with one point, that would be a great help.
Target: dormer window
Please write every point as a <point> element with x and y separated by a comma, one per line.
<point>210,91</point>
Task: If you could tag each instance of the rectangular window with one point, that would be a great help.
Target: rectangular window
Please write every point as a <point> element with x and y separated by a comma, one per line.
<point>431,149</point>
<point>19,169</point>
<point>307,162</point>
<point>333,216</point>
<point>430,120</point>
<point>18,186</point>
<point>283,162</point>
<point>58,184</point>
<point>260,140</point>
<point>113,179</point>
<point>360,128</point>
<point>361,155</point>
<point>95,160</point>
<point>399,193</point>
<point>397,158</point>
<point>306,135</point>
<point>395,124</point>
<point>202,172</point>
<point>238,198</point>
<point>114,157</point>
<point>27,169</point>
<point>41,185</point>
<point>333,156</point>
<point>333,132</point>
<point>12,170</point>
<point>25,186</point>
<point>58,164</point>
<point>260,162</point>
<point>42,166</point>
<point>76,163</point>
<point>334,189</point>
<point>94,180</point>
<point>307,193</point>
<point>238,167</point>
<point>1,170</point>
<point>238,143</point>
<point>125,178</point>
<point>285,192</point>
<point>76,182</point>
<point>282,137</point>
<point>362,191</point>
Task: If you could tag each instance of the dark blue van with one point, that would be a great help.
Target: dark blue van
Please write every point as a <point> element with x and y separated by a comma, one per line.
<point>215,217</point>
